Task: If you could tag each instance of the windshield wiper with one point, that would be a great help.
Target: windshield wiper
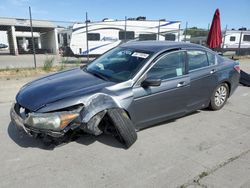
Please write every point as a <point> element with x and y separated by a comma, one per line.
<point>97,74</point>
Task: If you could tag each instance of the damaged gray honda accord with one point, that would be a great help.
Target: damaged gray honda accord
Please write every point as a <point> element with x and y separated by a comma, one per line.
<point>131,87</point>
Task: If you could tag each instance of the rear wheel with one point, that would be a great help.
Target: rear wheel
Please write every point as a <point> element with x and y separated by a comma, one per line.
<point>123,127</point>
<point>219,97</point>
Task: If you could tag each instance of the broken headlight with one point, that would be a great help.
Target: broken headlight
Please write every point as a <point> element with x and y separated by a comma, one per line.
<point>53,121</point>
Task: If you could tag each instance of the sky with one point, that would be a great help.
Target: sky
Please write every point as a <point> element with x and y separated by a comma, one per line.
<point>199,13</point>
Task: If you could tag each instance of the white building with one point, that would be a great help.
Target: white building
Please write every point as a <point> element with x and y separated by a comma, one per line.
<point>18,34</point>
<point>3,37</point>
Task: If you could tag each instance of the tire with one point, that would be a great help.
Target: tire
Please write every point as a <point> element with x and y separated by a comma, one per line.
<point>244,78</point>
<point>219,97</point>
<point>125,129</point>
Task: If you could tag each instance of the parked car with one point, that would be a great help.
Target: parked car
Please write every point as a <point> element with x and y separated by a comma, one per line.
<point>3,45</point>
<point>129,88</point>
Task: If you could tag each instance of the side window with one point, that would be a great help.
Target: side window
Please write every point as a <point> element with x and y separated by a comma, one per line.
<point>211,58</point>
<point>232,38</point>
<point>147,36</point>
<point>169,66</point>
<point>93,36</point>
<point>170,37</point>
<point>197,59</point>
<point>246,38</point>
<point>129,35</point>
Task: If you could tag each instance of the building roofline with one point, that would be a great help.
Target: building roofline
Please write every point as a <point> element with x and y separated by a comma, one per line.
<point>23,22</point>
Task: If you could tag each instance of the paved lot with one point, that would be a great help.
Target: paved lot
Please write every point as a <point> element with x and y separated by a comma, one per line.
<point>27,61</point>
<point>204,149</point>
<point>23,61</point>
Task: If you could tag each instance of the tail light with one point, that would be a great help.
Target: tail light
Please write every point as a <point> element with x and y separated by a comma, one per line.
<point>237,68</point>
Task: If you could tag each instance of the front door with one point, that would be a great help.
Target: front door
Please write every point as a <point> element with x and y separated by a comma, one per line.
<point>154,104</point>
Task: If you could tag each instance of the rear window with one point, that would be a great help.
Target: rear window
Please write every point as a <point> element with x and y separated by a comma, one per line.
<point>197,59</point>
<point>211,58</point>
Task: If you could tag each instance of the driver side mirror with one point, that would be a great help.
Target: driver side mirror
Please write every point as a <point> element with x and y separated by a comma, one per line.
<point>151,82</point>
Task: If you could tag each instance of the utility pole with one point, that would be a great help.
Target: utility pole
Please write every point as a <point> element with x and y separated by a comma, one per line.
<point>179,33</point>
<point>224,37</point>
<point>158,36</point>
<point>185,39</point>
<point>87,41</point>
<point>32,36</point>
<point>240,43</point>
<point>125,29</point>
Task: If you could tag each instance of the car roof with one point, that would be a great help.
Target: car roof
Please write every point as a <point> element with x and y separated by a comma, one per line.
<point>157,46</point>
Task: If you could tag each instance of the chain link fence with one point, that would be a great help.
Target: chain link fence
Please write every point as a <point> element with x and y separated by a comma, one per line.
<point>40,43</point>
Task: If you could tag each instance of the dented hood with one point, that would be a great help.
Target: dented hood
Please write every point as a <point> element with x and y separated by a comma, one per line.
<point>70,83</point>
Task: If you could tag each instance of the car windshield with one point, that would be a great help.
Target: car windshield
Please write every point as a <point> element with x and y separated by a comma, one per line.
<point>119,64</point>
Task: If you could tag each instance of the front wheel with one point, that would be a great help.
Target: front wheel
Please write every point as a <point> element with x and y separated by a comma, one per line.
<point>124,128</point>
<point>219,97</point>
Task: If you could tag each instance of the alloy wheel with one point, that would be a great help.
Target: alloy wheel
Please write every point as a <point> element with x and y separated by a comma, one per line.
<point>220,95</point>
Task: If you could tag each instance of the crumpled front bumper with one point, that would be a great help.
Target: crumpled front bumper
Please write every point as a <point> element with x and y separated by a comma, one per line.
<point>18,121</point>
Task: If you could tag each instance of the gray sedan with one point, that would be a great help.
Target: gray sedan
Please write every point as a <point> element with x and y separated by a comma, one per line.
<point>131,87</point>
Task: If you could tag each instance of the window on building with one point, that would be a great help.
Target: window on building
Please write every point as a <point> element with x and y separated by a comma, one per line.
<point>197,59</point>
<point>246,38</point>
<point>147,37</point>
<point>232,38</point>
<point>94,36</point>
<point>130,35</point>
<point>169,66</point>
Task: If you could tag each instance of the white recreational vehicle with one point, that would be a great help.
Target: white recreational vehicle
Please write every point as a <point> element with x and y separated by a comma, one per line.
<point>108,34</point>
<point>232,38</point>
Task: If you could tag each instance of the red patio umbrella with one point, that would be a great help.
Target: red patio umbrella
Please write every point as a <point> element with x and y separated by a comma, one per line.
<point>214,38</point>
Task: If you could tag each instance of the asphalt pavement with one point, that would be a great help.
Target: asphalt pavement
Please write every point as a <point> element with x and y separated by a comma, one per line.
<point>27,60</point>
<point>203,149</point>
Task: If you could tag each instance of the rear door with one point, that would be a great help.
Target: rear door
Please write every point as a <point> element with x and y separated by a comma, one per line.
<point>154,104</point>
<point>202,67</point>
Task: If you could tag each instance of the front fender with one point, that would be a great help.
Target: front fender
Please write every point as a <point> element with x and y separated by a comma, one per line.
<point>95,104</point>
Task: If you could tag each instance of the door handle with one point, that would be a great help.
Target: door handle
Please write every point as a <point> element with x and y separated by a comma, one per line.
<point>212,71</point>
<point>181,84</point>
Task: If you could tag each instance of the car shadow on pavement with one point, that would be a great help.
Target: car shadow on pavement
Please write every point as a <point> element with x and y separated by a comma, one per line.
<point>171,120</point>
<point>26,141</point>
<point>21,139</point>
<point>87,139</point>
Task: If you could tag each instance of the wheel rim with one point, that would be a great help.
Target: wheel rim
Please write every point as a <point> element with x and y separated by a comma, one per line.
<point>220,95</point>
